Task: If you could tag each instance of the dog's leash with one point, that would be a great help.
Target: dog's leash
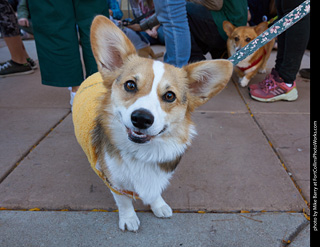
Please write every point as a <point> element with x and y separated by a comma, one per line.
<point>276,29</point>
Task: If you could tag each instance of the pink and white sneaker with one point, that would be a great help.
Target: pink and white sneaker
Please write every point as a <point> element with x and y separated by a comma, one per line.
<point>273,88</point>
<point>274,74</point>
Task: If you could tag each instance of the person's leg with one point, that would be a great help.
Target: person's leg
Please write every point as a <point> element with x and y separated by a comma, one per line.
<point>10,31</point>
<point>292,43</point>
<point>204,33</point>
<point>17,50</point>
<point>172,15</point>
<point>198,47</point>
<point>280,38</point>
<point>280,83</point>
<point>19,63</point>
<point>84,14</point>
<point>161,35</point>
<point>57,42</point>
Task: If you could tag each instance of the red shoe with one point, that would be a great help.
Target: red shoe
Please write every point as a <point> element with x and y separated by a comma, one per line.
<point>273,88</point>
<point>274,74</point>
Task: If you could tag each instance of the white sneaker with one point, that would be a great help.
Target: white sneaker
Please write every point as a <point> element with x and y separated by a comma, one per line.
<point>72,94</point>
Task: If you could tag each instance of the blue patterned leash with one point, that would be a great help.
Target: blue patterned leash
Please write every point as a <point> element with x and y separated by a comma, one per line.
<point>276,29</point>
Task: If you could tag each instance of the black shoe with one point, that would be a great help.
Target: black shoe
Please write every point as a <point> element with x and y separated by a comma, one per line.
<point>32,63</point>
<point>11,68</point>
<point>305,73</point>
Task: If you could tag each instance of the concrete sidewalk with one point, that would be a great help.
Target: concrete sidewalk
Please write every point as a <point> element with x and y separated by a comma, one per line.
<point>244,182</point>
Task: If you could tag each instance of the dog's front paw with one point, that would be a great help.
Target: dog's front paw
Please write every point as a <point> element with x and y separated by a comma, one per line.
<point>131,223</point>
<point>162,212</point>
<point>262,71</point>
<point>244,82</point>
<point>160,208</point>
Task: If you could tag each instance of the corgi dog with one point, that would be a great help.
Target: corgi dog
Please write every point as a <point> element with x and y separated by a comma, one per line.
<point>238,37</point>
<point>142,124</point>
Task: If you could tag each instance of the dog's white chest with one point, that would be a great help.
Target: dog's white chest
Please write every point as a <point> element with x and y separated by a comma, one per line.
<point>146,179</point>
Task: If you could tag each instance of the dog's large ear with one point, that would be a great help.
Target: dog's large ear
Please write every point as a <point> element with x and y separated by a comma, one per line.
<point>259,29</point>
<point>109,44</point>
<point>206,79</point>
<point>228,28</point>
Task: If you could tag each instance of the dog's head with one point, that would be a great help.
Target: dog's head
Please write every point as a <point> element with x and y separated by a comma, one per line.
<point>239,37</point>
<point>152,100</point>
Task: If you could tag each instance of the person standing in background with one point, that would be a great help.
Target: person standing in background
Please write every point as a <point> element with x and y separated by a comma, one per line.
<point>20,63</point>
<point>205,21</point>
<point>57,27</point>
<point>280,83</point>
<point>172,14</point>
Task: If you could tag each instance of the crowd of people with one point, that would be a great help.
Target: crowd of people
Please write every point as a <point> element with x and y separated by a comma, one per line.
<point>188,29</point>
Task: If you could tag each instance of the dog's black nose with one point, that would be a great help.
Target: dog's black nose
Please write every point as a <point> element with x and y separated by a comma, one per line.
<point>142,118</point>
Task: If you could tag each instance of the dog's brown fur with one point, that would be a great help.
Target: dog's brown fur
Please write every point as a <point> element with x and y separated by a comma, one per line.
<point>135,159</point>
<point>238,37</point>
<point>148,52</point>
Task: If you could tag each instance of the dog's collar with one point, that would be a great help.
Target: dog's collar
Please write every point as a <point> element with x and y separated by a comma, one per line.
<point>131,194</point>
<point>254,63</point>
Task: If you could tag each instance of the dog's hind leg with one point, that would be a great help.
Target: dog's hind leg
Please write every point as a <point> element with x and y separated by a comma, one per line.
<point>128,218</point>
<point>160,208</point>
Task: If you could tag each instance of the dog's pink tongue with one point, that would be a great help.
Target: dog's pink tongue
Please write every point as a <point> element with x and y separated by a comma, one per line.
<point>138,133</point>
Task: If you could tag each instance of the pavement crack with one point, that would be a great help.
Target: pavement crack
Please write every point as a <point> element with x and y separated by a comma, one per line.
<point>32,148</point>
<point>250,218</point>
<point>271,145</point>
<point>288,241</point>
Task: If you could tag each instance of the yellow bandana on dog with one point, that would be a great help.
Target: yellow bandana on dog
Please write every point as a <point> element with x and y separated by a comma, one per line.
<point>84,113</point>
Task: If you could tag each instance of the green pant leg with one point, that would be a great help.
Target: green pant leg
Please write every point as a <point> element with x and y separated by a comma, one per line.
<point>87,55</point>
<point>85,11</point>
<point>57,44</point>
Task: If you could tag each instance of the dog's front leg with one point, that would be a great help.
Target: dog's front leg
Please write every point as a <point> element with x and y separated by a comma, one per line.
<point>160,208</point>
<point>127,216</point>
<point>243,81</point>
<point>246,79</point>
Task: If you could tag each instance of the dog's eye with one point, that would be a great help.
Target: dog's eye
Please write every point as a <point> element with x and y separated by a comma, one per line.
<point>236,39</point>
<point>248,39</point>
<point>130,86</point>
<point>169,97</point>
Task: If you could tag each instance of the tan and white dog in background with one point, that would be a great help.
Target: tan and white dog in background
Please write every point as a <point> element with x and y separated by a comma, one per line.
<point>239,37</point>
<point>143,120</point>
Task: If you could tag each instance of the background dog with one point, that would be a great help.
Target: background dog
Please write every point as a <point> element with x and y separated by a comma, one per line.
<point>147,51</point>
<point>142,124</point>
<point>239,37</point>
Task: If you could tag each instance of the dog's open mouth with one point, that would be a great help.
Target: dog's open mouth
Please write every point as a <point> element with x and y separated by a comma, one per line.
<point>138,137</point>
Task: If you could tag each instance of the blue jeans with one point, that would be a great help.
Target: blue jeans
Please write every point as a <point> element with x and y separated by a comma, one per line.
<point>172,15</point>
